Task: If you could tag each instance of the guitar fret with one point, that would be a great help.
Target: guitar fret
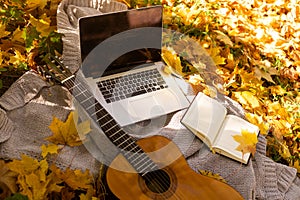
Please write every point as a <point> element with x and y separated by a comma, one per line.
<point>118,138</point>
<point>102,117</point>
<point>91,106</point>
<point>86,99</point>
<point>102,125</point>
<point>86,104</point>
<point>75,85</point>
<point>139,155</point>
<point>144,163</point>
<point>66,79</point>
<point>111,127</point>
<point>115,133</point>
<point>80,93</point>
<point>135,153</point>
<point>124,142</point>
<point>153,167</point>
<point>131,150</point>
<point>95,113</point>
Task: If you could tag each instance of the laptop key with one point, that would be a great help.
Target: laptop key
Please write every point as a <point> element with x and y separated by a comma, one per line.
<point>138,92</point>
<point>107,96</point>
<point>105,92</point>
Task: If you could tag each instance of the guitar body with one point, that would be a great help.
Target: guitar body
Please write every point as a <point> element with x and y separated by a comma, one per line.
<point>182,181</point>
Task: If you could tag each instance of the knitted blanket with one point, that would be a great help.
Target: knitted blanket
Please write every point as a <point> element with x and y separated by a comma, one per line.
<point>27,109</point>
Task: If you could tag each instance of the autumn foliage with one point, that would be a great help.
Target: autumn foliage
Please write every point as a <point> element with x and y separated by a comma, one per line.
<point>255,47</point>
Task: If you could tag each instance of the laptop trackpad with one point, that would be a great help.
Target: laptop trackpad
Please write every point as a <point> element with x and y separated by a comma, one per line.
<point>146,107</point>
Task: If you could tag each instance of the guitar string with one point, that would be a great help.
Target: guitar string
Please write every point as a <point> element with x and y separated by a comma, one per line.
<point>161,185</point>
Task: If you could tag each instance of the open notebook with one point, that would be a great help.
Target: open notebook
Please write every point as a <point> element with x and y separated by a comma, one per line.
<point>208,120</point>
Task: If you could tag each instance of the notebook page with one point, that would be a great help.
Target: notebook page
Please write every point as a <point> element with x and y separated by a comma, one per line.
<point>205,115</point>
<point>233,125</point>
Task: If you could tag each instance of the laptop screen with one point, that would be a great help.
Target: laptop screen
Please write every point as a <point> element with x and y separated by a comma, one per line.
<point>120,41</point>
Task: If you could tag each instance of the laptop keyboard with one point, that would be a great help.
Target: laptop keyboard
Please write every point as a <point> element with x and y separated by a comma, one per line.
<point>130,85</point>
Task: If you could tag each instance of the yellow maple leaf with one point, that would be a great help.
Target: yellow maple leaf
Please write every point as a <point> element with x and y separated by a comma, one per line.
<point>172,60</point>
<point>33,177</point>
<point>69,132</point>
<point>17,58</point>
<point>247,142</point>
<point>248,99</point>
<point>18,35</point>
<point>8,179</point>
<point>248,78</point>
<point>42,25</point>
<point>258,121</point>
<point>297,165</point>
<point>49,149</point>
<point>214,52</point>
<point>284,151</point>
<point>277,90</point>
<point>26,165</point>
<point>33,4</point>
<point>36,189</point>
<point>73,178</point>
<point>3,32</point>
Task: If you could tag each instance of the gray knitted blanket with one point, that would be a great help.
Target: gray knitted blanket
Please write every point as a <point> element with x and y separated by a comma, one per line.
<point>27,109</point>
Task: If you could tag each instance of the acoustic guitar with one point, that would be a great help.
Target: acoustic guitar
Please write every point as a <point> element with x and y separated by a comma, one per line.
<point>150,168</point>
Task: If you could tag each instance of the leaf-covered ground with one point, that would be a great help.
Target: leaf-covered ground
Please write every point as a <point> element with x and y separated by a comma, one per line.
<point>253,43</point>
<point>255,46</point>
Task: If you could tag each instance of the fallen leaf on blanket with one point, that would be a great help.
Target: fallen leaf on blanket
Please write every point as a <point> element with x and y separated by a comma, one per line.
<point>26,165</point>
<point>73,178</point>
<point>49,149</point>
<point>247,142</point>
<point>212,175</point>
<point>34,178</point>
<point>69,132</point>
<point>8,180</point>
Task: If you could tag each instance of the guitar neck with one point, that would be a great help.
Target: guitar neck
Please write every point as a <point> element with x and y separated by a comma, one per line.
<point>127,145</point>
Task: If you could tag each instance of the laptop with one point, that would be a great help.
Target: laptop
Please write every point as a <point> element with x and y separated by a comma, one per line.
<point>121,60</point>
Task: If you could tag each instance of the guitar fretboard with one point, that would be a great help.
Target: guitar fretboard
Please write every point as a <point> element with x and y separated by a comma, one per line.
<point>132,152</point>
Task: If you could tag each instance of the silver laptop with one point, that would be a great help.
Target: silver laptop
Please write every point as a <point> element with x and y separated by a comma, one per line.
<point>121,60</point>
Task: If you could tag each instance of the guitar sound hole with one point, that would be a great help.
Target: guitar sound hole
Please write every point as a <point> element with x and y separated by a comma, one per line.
<point>157,181</point>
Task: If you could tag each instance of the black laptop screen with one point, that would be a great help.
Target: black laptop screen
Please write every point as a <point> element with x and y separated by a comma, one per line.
<point>120,41</point>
